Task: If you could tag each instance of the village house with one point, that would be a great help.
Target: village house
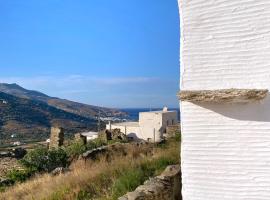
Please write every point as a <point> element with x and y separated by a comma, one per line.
<point>225,104</point>
<point>150,127</point>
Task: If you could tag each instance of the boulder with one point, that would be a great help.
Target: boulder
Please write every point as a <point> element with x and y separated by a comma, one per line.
<point>19,153</point>
<point>6,182</point>
<point>59,170</point>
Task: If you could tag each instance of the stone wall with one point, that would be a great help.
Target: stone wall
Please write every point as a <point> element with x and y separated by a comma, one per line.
<point>167,186</point>
<point>172,130</point>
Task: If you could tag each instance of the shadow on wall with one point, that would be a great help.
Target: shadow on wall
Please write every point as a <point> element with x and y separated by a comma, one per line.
<point>252,111</point>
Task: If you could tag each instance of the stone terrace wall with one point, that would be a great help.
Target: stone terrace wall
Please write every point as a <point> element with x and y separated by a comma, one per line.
<point>167,186</point>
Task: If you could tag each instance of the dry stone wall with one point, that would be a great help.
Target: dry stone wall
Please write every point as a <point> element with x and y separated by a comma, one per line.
<point>167,186</point>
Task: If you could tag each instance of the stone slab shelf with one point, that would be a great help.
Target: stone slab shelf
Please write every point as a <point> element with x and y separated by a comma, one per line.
<point>223,95</point>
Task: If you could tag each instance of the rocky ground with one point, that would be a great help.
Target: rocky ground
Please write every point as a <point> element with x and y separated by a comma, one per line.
<point>7,164</point>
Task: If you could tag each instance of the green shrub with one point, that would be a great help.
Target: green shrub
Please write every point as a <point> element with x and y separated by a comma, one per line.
<point>57,158</point>
<point>43,160</point>
<point>35,160</point>
<point>177,137</point>
<point>75,149</point>
<point>2,189</point>
<point>93,144</point>
<point>129,179</point>
<point>19,175</point>
<point>118,140</point>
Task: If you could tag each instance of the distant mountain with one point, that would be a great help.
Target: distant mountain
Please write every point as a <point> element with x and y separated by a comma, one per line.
<point>29,119</point>
<point>30,114</point>
<point>63,104</point>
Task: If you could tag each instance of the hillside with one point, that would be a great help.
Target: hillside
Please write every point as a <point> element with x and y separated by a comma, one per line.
<point>30,119</point>
<point>121,168</point>
<point>84,110</point>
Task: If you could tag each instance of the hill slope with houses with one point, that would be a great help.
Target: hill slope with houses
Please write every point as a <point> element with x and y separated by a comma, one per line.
<point>30,114</point>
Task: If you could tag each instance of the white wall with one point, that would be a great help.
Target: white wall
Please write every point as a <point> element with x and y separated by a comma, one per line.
<point>225,147</point>
<point>225,44</point>
<point>153,124</point>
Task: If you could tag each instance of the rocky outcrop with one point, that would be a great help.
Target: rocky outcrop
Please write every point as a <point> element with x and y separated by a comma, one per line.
<point>17,153</point>
<point>92,154</point>
<point>7,164</point>
<point>6,182</point>
<point>167,186</point>
<point>223,96</point>
<point>59,170</point>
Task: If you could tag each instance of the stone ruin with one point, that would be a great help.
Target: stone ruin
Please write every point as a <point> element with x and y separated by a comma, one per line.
<point>57,137</point>
<point>172,130</point>
<point>80,138</point>
<point>118,135</point>
<point>114,134</point>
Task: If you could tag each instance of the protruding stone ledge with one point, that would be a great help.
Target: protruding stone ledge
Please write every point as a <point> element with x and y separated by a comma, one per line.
<point>223,96</point>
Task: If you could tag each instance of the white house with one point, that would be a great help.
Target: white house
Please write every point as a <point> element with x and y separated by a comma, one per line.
<point>225,106</point>
<point>151,126</point>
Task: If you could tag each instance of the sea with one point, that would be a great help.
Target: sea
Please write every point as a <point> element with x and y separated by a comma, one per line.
<point>133,113</point>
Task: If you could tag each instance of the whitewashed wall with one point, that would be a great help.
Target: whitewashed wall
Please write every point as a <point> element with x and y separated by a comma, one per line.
<point>226,147</point>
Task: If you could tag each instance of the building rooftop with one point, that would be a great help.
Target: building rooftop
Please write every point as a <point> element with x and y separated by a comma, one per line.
<point>161,111</point>
<point>130,124</point>
<point>165,110</point>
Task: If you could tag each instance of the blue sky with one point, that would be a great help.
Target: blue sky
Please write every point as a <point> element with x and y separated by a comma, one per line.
<point>114,53</point>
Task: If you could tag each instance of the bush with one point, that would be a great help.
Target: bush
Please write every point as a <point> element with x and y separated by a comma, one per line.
<point>57,158</point>
<point>43,160</point>
<point>75,149</point>
<point>177,137</point>
<point>128,181</point>
<point>19,175</point>
<point>93,144</point>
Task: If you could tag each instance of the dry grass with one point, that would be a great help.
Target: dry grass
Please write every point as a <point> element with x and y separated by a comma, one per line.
<point>96,180</point>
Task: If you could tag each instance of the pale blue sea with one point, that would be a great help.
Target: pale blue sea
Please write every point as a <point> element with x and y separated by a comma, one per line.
<point>134,112</point>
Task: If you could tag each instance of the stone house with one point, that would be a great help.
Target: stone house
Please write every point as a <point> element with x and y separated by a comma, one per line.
<point>150,127</point>
<point>225,106</point>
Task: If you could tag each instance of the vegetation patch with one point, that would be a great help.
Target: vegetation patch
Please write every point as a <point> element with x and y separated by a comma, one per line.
<point>101,179</point>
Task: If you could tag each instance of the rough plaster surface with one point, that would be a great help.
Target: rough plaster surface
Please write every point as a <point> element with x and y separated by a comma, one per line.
<point>225,147</point>
<point>225,44</point>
